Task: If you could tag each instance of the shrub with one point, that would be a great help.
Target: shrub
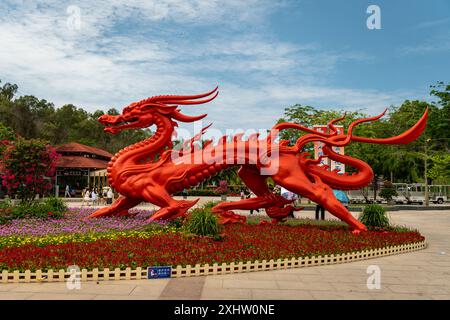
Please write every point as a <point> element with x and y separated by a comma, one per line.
<point>58,205</point>
<point>388,193</point>
<point>208,205</point>
<point>199,193</point>
<point>28,168</point>
<point>49,208</point>
<point>176,223</point>
<point>374,215</point>
<point>202,222</point>
<point>5,211</point>
<point>222,188</point>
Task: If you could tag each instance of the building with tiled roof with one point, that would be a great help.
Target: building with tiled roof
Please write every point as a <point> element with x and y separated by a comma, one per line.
<point>76,165</point>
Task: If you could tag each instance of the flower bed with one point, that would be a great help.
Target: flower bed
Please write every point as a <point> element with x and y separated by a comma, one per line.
<point>74,222</point>
<point>240,243</point>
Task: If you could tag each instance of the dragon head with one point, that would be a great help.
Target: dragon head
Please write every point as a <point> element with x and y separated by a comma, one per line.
<point>145,113</point>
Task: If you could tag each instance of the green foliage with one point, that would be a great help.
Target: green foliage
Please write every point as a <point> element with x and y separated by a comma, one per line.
<point>401,229</point>
<point>51,208</point>
<point>34,118</point>
<point>57,204</point>
<point>5,211</point>
<point>309,116</point>
<point>202,222</point>
<point>374,215</point>
<point>176,223</point>
<point>200,193</point>
<point>37,210</point>
<point>440,171</point>
<point>404,163</point>
<point>208,205</point>
<point>388,193</point>
<point>6,133</point>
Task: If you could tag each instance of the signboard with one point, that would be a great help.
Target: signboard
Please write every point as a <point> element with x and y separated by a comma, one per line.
<point>319,145</point>
<point>334,165</point>
<point>72,172</point>
<point>159,272</point>
<point>339,167</point>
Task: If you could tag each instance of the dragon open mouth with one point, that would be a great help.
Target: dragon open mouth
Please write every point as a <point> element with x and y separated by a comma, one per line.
<point>120,123</point>
<point>117,124</point>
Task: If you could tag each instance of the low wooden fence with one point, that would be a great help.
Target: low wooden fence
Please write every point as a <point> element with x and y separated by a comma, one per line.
<point>215,269</point>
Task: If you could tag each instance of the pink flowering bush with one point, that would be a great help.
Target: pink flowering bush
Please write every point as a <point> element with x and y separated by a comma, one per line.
<point>28,168</point>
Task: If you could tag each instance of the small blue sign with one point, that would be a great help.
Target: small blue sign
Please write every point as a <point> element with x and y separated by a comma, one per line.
<point>159,272</point>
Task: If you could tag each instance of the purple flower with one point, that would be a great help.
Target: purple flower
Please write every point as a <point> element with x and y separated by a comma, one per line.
<point>74,222</point>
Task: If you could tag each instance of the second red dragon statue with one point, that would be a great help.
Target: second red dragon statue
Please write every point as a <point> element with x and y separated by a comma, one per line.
<point>151,171</point>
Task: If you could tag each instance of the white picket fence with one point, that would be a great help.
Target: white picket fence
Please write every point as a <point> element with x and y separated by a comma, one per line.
<point>215,269</point>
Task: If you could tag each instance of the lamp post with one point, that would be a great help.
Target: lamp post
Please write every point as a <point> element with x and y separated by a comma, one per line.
<point>427,196</point>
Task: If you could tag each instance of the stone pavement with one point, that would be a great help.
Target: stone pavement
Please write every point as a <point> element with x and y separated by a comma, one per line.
<point>419,275</point>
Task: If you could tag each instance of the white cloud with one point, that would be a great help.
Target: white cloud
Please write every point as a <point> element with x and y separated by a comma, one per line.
<point>104,65</point>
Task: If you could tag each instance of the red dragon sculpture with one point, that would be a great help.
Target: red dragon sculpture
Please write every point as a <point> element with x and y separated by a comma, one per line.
<point>150,170</point>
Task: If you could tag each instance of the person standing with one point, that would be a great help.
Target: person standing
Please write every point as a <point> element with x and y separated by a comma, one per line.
<point>185,193</point>
<point>322,212</point>
<point>67,193</point>
<point>86,197</point>
<point>109,196</point>
<point>94,197</point>
<point>250,194</point>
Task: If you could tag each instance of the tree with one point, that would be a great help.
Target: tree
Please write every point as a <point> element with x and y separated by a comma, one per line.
<point>388,191</point>
<point>28,168</point>
<point>34,118</point>
<point>6,137</point>
<point>8,91</point>
<point>399,162</point>
<point>440,171</point>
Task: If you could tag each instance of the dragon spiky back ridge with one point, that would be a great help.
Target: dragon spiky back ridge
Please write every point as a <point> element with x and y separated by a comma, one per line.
<point>137,180</point>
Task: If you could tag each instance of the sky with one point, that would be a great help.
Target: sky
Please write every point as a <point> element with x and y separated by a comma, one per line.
<point>264,55</point>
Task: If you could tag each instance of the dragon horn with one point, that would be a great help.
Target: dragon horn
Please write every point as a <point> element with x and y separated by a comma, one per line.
<point>186,102</point>
<point>335,140</point>
<point>184,118</point>
<point>332,122</point>
<point>349,136</point>
<point>176,98</point>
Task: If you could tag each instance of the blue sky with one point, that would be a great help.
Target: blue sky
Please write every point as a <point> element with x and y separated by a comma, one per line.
<point>264,55</point>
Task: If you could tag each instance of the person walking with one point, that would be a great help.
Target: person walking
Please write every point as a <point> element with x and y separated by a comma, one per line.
<point>67,193</point>
<point>185,193</point>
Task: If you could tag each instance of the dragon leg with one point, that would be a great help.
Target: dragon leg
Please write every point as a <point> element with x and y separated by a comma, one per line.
<point>277,207</point>
<point>169,207</point>
<point>322,194</point>
<point>119,207</point>
<point>274,204</point>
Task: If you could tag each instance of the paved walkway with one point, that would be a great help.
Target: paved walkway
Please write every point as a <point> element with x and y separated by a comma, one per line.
<point>419,275</point>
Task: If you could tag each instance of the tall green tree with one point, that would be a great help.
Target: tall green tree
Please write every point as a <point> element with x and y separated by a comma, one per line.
<point>34,118</point>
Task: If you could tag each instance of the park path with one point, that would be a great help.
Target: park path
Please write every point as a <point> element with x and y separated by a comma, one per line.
<point>423,274</point>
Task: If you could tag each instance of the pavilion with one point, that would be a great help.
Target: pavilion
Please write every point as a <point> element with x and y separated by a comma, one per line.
<point>77,164</point>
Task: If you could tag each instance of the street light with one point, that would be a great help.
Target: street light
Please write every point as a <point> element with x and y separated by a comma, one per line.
<point>427,197</point>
